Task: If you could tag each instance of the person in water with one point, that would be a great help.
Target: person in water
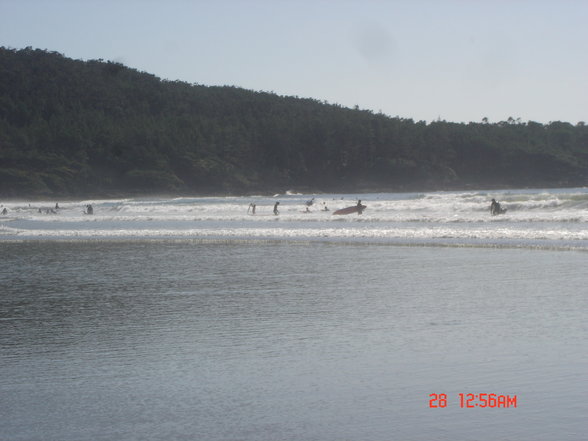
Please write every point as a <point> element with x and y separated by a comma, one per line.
<point>89,209</point>
<point>251,208</point>
<point>276,212</point>
<point>359,207</point>
<point>495,207</point>
<point>5,211</point>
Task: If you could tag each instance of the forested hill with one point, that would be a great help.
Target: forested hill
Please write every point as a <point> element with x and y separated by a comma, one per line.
<point>80,128</point>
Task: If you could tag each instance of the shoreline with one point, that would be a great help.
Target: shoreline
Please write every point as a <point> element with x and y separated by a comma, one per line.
<point>272,193</point>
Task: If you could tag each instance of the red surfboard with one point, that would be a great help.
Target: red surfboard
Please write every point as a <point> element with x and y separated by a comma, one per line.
<point>355,209</point>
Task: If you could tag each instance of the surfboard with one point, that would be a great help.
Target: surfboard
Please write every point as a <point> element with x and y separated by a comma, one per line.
<point>349,210</point>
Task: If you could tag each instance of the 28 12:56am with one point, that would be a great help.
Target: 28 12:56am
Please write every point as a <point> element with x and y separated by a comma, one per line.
<point>470,401</point>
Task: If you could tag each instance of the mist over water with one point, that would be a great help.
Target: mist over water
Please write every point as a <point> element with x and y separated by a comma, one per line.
<point>182,319</point>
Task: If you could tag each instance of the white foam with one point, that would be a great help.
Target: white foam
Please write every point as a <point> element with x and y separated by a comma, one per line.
<point>302,233</point>
<point>558,215</point>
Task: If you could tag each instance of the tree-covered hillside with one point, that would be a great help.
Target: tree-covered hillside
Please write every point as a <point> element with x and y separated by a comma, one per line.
<point>78,128</point>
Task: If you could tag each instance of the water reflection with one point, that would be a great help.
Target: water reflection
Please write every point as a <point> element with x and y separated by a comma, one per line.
<point>168,340</point>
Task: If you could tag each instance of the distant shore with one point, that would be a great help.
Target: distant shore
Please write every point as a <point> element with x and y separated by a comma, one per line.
<point>272,192</point>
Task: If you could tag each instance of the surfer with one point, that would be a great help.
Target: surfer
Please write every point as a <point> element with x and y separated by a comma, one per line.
<point>5,211</point>
<point>359,207</point>
<point>276,212</point>
<point>89,209</point>
<point>494,207</point>
<point>251,208</point>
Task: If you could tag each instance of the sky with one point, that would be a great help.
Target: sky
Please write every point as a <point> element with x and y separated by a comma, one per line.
<point>451,60</point>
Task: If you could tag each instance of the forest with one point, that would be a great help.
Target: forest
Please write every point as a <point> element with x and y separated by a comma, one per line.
<point>74,128</point>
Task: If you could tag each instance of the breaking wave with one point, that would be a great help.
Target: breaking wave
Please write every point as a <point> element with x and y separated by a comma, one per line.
<point>454,217</point>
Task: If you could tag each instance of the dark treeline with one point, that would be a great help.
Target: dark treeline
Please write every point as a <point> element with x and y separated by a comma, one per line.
<point>76,128</point>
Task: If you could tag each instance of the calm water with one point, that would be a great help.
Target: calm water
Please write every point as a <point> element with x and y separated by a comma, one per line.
<point>163,340</point>
<point>185,319</point>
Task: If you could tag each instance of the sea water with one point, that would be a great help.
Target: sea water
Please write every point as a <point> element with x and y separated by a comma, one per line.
<point>554,219</point>
<point>188,318</point>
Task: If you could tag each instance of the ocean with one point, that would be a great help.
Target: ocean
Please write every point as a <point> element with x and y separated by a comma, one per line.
<point>423,318</point>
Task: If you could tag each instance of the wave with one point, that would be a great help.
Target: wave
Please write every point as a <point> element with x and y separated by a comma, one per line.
<point>380,233</point>
<point>456,217</point>
<point>374,219</point>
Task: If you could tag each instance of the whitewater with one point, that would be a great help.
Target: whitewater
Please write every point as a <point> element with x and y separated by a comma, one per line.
<point>538,218</point>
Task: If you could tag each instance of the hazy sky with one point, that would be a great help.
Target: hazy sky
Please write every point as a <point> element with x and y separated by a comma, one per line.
<point>454,60</point>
